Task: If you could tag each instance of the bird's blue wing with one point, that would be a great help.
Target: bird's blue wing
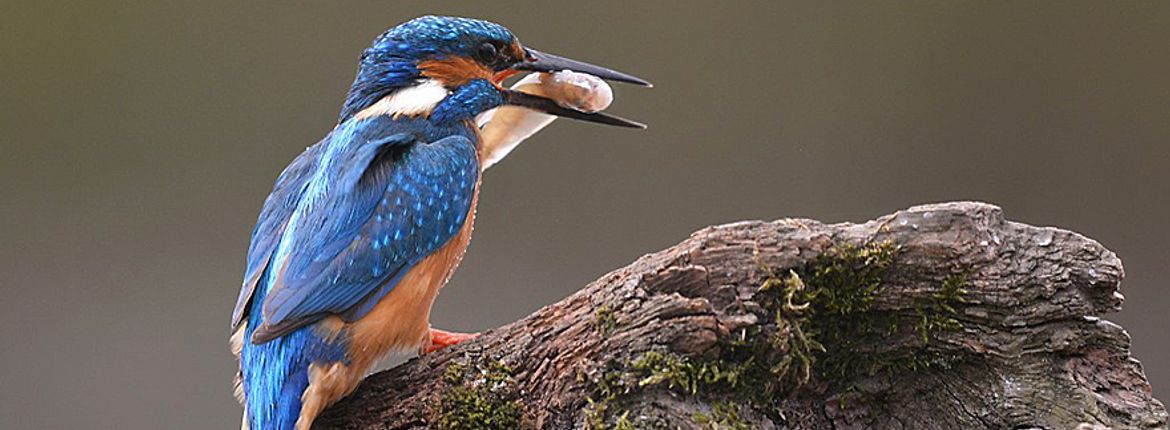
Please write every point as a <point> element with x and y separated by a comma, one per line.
<point>363,224</point>
<point>279,205</point>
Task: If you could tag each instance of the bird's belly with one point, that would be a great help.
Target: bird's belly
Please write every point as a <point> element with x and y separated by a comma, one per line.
<point>399,322</point>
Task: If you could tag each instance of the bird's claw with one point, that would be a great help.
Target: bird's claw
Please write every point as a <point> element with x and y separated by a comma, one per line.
<point>441,339</point>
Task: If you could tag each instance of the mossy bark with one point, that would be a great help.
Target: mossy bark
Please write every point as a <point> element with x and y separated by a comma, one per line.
<point>938,316</point>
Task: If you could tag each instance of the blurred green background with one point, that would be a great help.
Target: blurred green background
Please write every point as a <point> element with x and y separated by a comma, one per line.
<point>141,136</point>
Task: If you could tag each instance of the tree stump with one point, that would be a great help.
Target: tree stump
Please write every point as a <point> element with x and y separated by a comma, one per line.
<point>940,316</point>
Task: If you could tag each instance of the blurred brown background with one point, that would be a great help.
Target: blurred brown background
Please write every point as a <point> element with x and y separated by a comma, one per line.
<point>140,137</point>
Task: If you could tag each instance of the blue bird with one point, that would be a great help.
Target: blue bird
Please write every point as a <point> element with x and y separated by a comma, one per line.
<point>363,228</point>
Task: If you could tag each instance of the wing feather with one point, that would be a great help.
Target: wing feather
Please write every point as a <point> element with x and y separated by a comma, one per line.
<point>381,212</point>
<point>274,215</point>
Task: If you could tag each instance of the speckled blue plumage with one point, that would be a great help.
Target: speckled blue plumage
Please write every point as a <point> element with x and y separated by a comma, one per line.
<point>353,213</point>
<point>377,203</point>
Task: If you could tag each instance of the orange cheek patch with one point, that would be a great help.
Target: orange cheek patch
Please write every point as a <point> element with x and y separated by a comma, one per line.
<point>454,71</point>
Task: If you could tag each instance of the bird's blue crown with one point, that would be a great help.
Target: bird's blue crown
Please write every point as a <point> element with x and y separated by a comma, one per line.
<point>391,62</point>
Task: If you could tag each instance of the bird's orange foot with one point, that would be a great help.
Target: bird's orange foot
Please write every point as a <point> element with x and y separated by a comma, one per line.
<point>441,339</point>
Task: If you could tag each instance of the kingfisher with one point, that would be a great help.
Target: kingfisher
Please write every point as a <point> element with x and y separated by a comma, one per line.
<point>364,227</point>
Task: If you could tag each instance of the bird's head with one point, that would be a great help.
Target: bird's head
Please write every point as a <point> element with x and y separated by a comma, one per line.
<point>453,67</point>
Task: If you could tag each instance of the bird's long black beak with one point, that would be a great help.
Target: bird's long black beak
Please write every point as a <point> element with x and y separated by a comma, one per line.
<point>538,103</point>
<point>537,61</point>
<point>543,62</point>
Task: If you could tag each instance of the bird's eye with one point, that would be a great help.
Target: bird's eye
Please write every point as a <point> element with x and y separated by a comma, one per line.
<point>486,52</point>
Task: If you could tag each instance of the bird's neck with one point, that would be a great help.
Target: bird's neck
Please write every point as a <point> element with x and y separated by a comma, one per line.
<point>428,98</point>
<point>375,80</point>
<point>419,99</point>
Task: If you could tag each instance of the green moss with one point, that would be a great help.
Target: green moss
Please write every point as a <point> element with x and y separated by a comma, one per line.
<point>599,406</point>
<point>826,325</point>
<point>724,416</point>
<point>655,369</point>
<point>686,375</point>
<point>604,320</point>
<point>823,314</point>
<point>938,313</point>
<point>829,325</point>
<point>790,351</point>
<point>822,325</point>
<point>482,398</point>
<point>623,422</point>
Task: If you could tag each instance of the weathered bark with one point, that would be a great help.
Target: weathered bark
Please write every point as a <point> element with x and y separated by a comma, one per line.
<point>1023,347</point>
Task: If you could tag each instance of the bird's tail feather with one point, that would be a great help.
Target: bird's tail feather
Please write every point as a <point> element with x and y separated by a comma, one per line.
<point>275,374</point>
<point>273,377</point>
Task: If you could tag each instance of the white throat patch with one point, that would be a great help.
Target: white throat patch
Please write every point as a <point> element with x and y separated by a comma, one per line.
<point>419,99</point>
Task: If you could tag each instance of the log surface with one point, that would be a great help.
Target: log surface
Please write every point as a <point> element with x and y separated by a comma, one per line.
<point>1030,348</point>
